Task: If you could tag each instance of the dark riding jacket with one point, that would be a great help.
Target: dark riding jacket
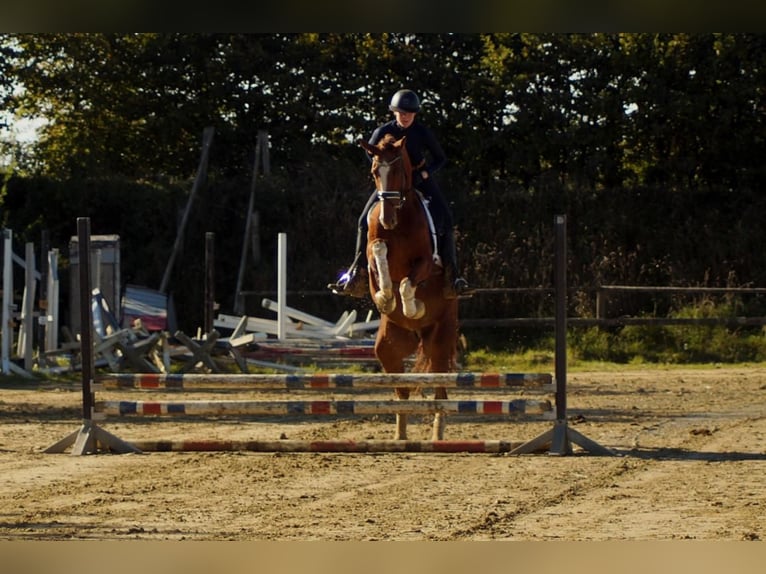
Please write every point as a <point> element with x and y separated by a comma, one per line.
<point>419,140</point>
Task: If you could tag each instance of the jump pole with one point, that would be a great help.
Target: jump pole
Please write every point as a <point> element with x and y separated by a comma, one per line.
<point>89,438</point>
<point>329,446</point>
<point>321,381</point>
<point>561,437</point>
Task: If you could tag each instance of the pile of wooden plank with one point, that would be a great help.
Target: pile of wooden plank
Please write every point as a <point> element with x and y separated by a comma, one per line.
<point>308,340</point>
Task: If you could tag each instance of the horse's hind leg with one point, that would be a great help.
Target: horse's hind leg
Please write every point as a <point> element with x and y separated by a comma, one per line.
<point>438,346</point>
<point>392,346</point>
<point>440,419</point>
<point>402,393</point>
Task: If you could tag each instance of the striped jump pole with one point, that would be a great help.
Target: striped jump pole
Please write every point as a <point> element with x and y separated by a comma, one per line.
<point>339,446</point>
<point>514,407</point>
<point>466,380</point>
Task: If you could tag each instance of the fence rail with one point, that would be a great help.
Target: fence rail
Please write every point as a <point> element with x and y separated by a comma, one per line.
<point>601,294</point>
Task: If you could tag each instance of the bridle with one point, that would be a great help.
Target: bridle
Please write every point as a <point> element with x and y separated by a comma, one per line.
<point>384,194</point>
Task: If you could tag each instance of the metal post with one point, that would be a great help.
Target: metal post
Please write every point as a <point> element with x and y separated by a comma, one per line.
<point>561,317</point>
<point>90,438</point>
<point>559,439</point>
<point>86,317</point>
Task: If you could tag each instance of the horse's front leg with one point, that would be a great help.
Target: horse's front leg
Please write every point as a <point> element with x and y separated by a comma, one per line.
<point>384,297</point>
<point>411,307</point>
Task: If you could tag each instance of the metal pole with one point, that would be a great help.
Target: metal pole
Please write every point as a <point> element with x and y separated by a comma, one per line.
<point>86,318</point>
<point>90,438</point>
<point>561,316</point>
<point>561,437</point>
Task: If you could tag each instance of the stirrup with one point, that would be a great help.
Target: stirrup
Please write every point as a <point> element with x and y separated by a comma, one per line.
<point>460,285</point>
<point>453,287</point>
<point>353,283</point>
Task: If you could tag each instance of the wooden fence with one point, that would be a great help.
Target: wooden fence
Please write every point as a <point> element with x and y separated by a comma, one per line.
<point>600,295</point>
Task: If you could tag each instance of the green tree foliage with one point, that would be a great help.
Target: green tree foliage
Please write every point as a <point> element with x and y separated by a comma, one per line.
<point>594,110</point>
<point>652,143</point>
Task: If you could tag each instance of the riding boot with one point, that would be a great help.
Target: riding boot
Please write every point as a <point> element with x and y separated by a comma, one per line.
<point>355,281</point>
<point>453,284</point>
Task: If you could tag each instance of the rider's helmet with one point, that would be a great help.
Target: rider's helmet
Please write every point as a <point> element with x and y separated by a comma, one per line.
<point>405,101</point>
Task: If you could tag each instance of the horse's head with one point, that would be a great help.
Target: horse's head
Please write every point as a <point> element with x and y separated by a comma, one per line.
<point>392,172</point>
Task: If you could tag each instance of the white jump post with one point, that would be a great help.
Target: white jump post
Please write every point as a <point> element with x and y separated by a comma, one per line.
<point>9,257</point>
<point>282,286</point>
<point>51,312</point>
<point>7,300</point>
<point>26,332</point>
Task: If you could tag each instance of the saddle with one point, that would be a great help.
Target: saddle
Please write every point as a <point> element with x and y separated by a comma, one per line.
<point>431,228</point>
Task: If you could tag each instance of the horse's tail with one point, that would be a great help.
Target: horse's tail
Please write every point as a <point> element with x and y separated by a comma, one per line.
<point>422,362</point>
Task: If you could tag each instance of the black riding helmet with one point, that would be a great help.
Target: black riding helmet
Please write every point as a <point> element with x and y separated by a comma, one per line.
<point>405,101</point>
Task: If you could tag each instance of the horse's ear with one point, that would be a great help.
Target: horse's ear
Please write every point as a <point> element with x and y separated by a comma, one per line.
<point>370,149</point>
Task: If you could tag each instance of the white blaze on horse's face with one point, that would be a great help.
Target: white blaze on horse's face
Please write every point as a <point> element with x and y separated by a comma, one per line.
<point>388,174</point>
<point>391,168</point>
<point>391,171</point>
<point>388,183</point>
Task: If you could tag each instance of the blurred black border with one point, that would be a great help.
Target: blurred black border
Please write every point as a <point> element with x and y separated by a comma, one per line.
<point>369,16</point>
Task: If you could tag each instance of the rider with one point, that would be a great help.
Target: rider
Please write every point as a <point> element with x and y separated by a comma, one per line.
<point>405,104</point>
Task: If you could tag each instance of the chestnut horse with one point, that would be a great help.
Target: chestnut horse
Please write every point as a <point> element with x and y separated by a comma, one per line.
<point>406,283</point>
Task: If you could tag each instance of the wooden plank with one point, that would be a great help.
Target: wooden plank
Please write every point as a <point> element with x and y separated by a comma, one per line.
<point>298,315</point>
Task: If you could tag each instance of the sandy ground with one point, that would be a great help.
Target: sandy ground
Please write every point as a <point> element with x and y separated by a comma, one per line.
<point>690,463</point>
